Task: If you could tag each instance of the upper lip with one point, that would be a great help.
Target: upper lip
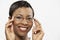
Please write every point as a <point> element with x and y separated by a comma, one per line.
<point>23,26</point>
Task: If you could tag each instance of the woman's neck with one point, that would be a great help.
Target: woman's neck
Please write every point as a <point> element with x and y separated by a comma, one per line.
<point>21,38</point>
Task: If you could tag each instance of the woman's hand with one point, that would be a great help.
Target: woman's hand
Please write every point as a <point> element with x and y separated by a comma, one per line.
<point>37,32</point>
<point>9,30</point>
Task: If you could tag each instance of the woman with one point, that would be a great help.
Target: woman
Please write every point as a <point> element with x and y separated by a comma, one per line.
<point>21,16</point>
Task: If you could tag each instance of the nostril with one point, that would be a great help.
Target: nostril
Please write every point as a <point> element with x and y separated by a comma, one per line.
<point>18,26</point>
<point>24,21</point>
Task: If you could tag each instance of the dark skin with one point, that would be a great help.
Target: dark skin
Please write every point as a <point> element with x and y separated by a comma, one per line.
<point>21,23</point>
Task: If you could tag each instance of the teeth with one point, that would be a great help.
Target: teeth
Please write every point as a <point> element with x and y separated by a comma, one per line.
<point>23,28</point>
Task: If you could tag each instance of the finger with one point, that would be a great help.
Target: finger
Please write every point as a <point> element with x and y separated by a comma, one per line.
<point>36,30</point>
<point>12,28</point>
<point>38,27</point>
<point>9,23</point>
<point>33,30</point>
<point>41,35</point>
<point>9,27</point>
<point>37,23</point>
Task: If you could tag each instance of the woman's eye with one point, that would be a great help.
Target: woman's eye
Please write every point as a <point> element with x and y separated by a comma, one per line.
<point>29,18</point>
<point>18,17</point>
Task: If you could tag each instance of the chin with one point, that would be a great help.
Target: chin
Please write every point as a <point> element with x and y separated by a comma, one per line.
<point>21,34</point>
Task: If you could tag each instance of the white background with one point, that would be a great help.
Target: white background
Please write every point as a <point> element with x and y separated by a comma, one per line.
<point>46,11</point>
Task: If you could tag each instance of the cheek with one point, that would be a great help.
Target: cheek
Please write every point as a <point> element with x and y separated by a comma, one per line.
<point>31,23</point>
<point>15,23</point>
<point>30,26</point>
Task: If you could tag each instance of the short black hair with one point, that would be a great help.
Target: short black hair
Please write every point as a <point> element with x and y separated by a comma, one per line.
<point>19,4</point>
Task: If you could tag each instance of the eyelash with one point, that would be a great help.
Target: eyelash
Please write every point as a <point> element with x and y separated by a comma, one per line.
<point>18,17</point>
<point>21,17</point>
<point>29,18</point>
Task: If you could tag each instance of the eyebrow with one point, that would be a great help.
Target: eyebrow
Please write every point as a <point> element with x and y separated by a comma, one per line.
<point>19,14</point>
<point>22,15</point>
<point>29,16</point>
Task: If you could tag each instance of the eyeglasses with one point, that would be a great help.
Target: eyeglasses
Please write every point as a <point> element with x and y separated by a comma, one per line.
<point>20,18</point>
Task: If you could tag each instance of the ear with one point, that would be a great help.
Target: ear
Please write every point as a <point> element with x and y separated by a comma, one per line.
<point>9,18</point>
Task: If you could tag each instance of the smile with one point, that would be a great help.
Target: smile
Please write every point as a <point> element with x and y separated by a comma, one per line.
<point>23,29</point>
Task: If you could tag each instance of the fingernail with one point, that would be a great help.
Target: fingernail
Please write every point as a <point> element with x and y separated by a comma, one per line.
<point>36,31</point>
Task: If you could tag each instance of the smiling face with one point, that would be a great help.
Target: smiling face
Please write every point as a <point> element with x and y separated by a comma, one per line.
<point>23,21</point>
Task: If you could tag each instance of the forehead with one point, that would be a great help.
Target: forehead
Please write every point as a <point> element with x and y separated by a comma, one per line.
<point>23,11</point>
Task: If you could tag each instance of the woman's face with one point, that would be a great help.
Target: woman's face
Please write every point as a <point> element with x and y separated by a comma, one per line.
<point>23,21</point>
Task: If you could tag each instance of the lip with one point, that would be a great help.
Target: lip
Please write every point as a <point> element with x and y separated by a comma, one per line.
<point>23,28</point>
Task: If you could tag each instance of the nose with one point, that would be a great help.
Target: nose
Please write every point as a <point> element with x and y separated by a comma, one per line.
<point>24,21</point>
